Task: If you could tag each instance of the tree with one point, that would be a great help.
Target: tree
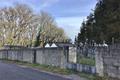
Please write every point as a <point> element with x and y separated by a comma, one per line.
<point>20,26</point>
<point>48,30</point>
<point>16,23</point>
<point>103,23</point>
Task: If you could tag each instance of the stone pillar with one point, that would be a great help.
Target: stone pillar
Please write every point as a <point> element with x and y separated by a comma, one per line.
<point>99,63</point>
<point>72,54</point>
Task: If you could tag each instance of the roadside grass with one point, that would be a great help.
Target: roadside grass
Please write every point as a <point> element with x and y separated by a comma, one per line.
<point>55,69</point>
<point>86,61</point>
<point>48,68</point>
<point>51,69</point>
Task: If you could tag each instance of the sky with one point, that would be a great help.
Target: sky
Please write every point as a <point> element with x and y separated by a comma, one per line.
<point>68,14</point>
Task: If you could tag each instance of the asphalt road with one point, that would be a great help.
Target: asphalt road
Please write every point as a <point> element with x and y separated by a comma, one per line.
<point>14,72</point>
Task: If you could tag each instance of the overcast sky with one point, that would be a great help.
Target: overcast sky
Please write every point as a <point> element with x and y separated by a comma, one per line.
<point>68,13</point>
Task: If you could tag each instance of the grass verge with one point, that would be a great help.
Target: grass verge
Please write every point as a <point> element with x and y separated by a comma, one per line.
<point>87,61</point>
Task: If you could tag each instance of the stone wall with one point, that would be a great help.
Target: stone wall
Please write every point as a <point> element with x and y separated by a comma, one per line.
<point>51,56</point>
<point>46,56</point>
<point>17,54</point>
<point>108,61</point>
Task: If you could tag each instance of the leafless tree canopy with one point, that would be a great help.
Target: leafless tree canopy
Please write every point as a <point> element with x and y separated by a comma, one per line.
<point>20,26</point>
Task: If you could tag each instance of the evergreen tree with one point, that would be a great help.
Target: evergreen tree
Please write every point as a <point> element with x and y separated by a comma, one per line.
<point>103,24</point>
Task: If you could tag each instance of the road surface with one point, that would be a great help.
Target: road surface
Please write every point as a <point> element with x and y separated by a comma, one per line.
<point>14,72</point>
